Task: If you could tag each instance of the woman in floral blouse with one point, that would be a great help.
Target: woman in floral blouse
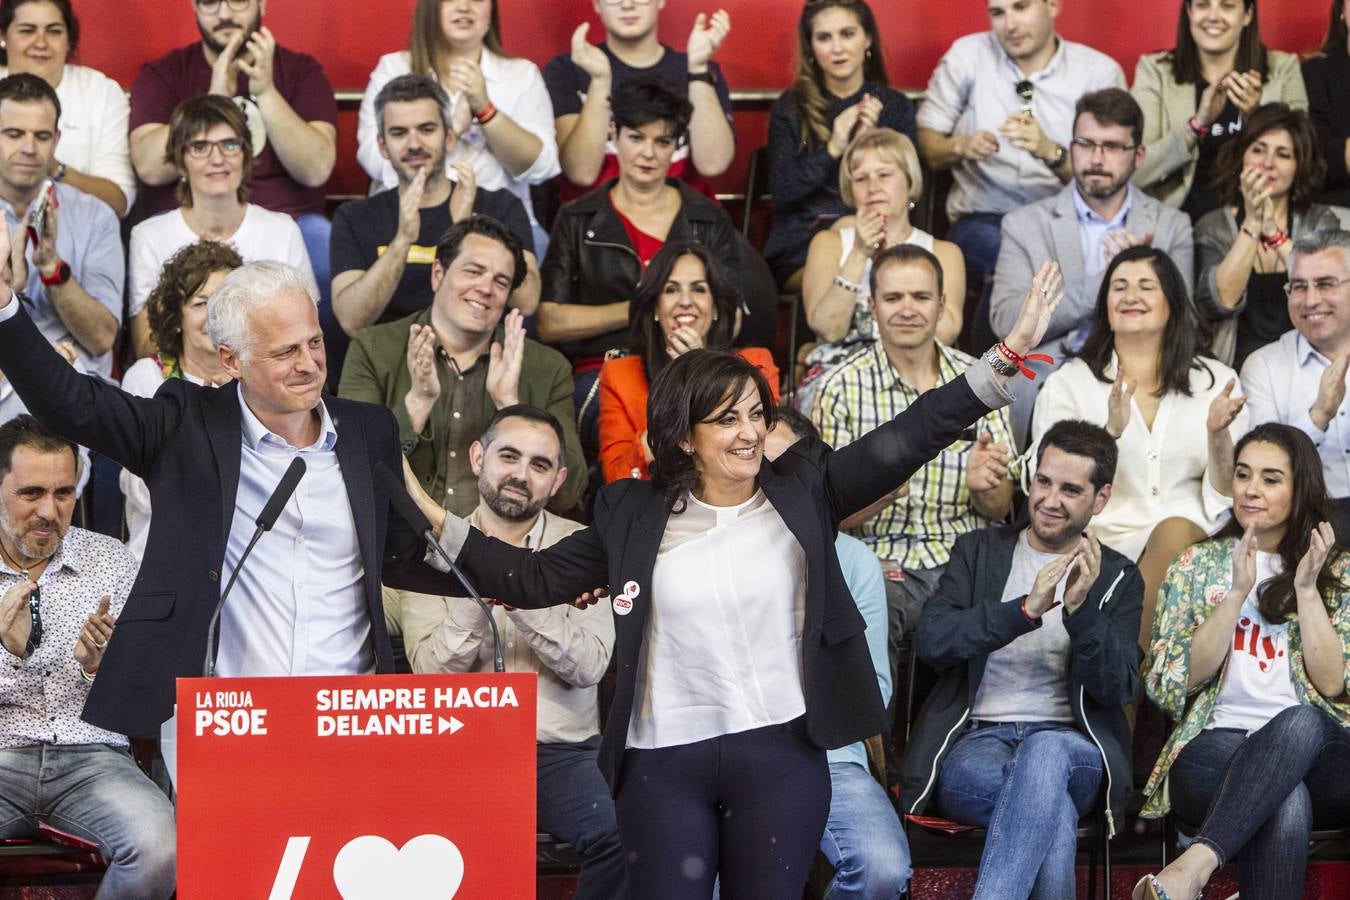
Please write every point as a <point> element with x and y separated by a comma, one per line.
<point>1248,656</point>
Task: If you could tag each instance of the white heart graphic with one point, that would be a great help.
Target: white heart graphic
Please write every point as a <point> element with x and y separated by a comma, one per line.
<point>428,867</point>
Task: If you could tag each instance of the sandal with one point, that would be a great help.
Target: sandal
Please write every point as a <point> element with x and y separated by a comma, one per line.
<point>1151,890</point>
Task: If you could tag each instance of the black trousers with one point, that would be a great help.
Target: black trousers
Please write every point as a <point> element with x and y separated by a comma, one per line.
<point>750,806</point>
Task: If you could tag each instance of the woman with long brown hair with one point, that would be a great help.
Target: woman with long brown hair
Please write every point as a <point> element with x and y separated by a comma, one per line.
<point>841,90</point>
<point>1196,96</point>
<point>1266,179</point>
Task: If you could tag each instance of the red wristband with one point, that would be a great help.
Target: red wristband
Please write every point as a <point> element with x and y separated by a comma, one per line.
<point>1020,361</point>
<point>486,114</point>
<point>1193,123</point>
<point>1275,241</point>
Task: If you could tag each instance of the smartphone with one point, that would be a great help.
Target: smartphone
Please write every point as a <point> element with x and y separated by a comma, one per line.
<point>37,213</point>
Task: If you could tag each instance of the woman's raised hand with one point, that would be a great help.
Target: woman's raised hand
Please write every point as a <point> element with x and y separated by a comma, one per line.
<point>1310,566</point>
<point>1244,564</point>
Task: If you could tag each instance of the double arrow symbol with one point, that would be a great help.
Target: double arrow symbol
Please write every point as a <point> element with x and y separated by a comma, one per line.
<point>451,725</point>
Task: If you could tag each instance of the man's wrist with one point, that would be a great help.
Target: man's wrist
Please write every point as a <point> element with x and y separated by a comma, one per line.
<point>504,400</point>
<point>1319,418</point>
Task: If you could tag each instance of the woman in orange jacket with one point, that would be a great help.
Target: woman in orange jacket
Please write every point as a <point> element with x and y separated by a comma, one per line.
<point>684,301</point>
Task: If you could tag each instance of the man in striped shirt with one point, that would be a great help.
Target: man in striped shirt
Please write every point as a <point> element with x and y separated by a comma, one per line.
<point>965,487</point>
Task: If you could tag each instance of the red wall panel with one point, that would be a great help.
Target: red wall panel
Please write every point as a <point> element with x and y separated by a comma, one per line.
<point>348,37</point>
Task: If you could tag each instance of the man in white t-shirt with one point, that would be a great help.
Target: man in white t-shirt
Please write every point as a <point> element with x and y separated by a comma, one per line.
<point>1038,626</point>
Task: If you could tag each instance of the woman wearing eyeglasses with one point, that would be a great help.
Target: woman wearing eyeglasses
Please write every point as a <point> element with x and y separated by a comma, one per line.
<point>841,90</point>
<point>1266,179</point>
<point>208,149</point>
<point>1196,96</point>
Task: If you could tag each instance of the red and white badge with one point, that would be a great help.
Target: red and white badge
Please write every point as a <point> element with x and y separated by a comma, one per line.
<point>623,604</point>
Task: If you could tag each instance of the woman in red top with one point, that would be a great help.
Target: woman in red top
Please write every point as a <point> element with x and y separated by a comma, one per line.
<point>684,302</point>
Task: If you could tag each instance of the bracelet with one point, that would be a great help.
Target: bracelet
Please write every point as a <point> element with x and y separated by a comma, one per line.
<point>1200,131</point>
<point>1254,236</point>
<point>88,676</point>
<point>705,76</point>
<point>1275,241</point>
<point>852,287</point>
<point>1021,361</point>
<point>1026,615</point>
<point>486,114</point>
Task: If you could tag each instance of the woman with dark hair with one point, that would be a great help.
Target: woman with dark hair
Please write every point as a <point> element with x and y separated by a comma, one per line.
<point>1174,414</point>
<point>209,147</point>
<point>499,106</point>
<point>685,301</point>
<point>604,240</point>
<point>40,37</point>
<point>1196,95</point>
<point>1248,657</point>
<point>840,90</point>
<point>177,318</point>
<point>1326,75</point>
<point>1267,178</point>
<point>741,655</point>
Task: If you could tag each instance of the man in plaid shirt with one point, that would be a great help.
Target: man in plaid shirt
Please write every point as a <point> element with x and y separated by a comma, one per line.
<point>966,487</point>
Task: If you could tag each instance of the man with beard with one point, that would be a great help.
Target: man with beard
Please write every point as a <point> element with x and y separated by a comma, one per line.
<point>384,245</point>
<point>63,589</point>
<point>1032,632</point>
<point>1094,217</point>
<point>519,465</point>
<point>446,370</point>
<point>285,96</point>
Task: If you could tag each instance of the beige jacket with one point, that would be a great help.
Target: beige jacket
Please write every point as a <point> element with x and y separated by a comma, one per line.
<point>1169,166</point>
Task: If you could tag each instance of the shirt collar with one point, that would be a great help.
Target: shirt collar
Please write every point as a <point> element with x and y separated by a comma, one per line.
<point>1304,351</point>
<point>532,538</point>
<point>1050,67</point>
<point>1088,216</point>
<point>491,66</point>
<point>256,433</point>
<point>59,560</point>
<point>947,369</point>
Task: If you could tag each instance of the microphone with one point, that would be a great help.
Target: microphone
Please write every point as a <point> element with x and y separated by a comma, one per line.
<point>271,511</point>
<point>408,510</point>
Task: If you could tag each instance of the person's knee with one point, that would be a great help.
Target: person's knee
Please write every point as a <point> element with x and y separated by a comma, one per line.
<point>150,851</point>
<point>1303,720</point>
<point>1292,822</point>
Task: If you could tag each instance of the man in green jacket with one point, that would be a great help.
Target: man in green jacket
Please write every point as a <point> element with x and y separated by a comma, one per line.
<point>446,370</point>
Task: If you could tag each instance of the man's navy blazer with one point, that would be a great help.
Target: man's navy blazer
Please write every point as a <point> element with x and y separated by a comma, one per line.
<point>186,442</point>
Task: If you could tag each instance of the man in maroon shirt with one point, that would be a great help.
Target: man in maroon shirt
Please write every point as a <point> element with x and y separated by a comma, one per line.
<point>285,96</point>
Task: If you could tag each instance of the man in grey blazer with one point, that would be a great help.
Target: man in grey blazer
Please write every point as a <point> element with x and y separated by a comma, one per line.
<point>1096,215</point>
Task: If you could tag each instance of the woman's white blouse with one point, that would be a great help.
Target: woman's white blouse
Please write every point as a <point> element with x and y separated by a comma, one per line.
<point>722,652</point>
<point>1163,471</point>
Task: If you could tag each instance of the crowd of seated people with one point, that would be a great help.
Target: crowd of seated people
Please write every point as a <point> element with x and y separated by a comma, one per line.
<point>1174,477</point>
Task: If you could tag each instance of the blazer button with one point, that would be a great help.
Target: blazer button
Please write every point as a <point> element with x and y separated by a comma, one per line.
<point>213,575</point>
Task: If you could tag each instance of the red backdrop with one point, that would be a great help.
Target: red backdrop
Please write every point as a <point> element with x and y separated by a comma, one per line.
<point>347,36</point>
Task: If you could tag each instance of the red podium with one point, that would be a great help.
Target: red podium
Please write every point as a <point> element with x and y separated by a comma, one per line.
<point>361,787</point>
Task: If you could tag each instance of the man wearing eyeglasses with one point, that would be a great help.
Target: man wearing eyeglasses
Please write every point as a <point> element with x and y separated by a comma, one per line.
<point>67,256</point>
<point>998,112</point>
<point>1299,380</point>
<point>1091,219</point>
<point>285,96</point>
<point>63,589</point>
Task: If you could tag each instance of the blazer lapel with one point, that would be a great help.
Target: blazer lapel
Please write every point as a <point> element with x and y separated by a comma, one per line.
<point>220,409</point>
<point>1068,246</point>
<point>354,460</point>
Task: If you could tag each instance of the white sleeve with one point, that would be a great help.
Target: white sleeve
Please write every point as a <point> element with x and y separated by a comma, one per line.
<point>144,262</point>
<point>532,110</point>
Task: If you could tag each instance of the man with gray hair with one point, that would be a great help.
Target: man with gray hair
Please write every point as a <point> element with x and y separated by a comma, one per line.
<point>308,601</point>
<point>384,245</point>
<point>1299,380</point>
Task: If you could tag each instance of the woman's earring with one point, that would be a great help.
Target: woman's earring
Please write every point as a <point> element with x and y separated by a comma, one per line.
<point>868,54</point>
<point>912,204</point>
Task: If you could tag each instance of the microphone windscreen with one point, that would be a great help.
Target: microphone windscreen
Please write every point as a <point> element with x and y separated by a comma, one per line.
<point>285,487</point>
<point>392,485</point>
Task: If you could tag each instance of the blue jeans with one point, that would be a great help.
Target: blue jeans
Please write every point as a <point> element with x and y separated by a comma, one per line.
<point>1258,795</point>
<point>1029,783</point>
<point>317,232</point>
<point>863,839</point>
<point>979,236</point>
<point>574,805</point>
<point>96,792</point>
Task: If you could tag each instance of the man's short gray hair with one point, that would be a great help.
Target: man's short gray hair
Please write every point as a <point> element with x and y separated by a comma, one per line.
<point>1320,241</point>
<point>246,289</point>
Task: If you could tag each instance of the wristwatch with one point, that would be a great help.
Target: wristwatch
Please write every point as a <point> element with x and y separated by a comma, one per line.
<point>998,363</point>
<point>60,172</point>
<point>1060,153</point>
<point>704,76</point>
<point>60,276</point>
